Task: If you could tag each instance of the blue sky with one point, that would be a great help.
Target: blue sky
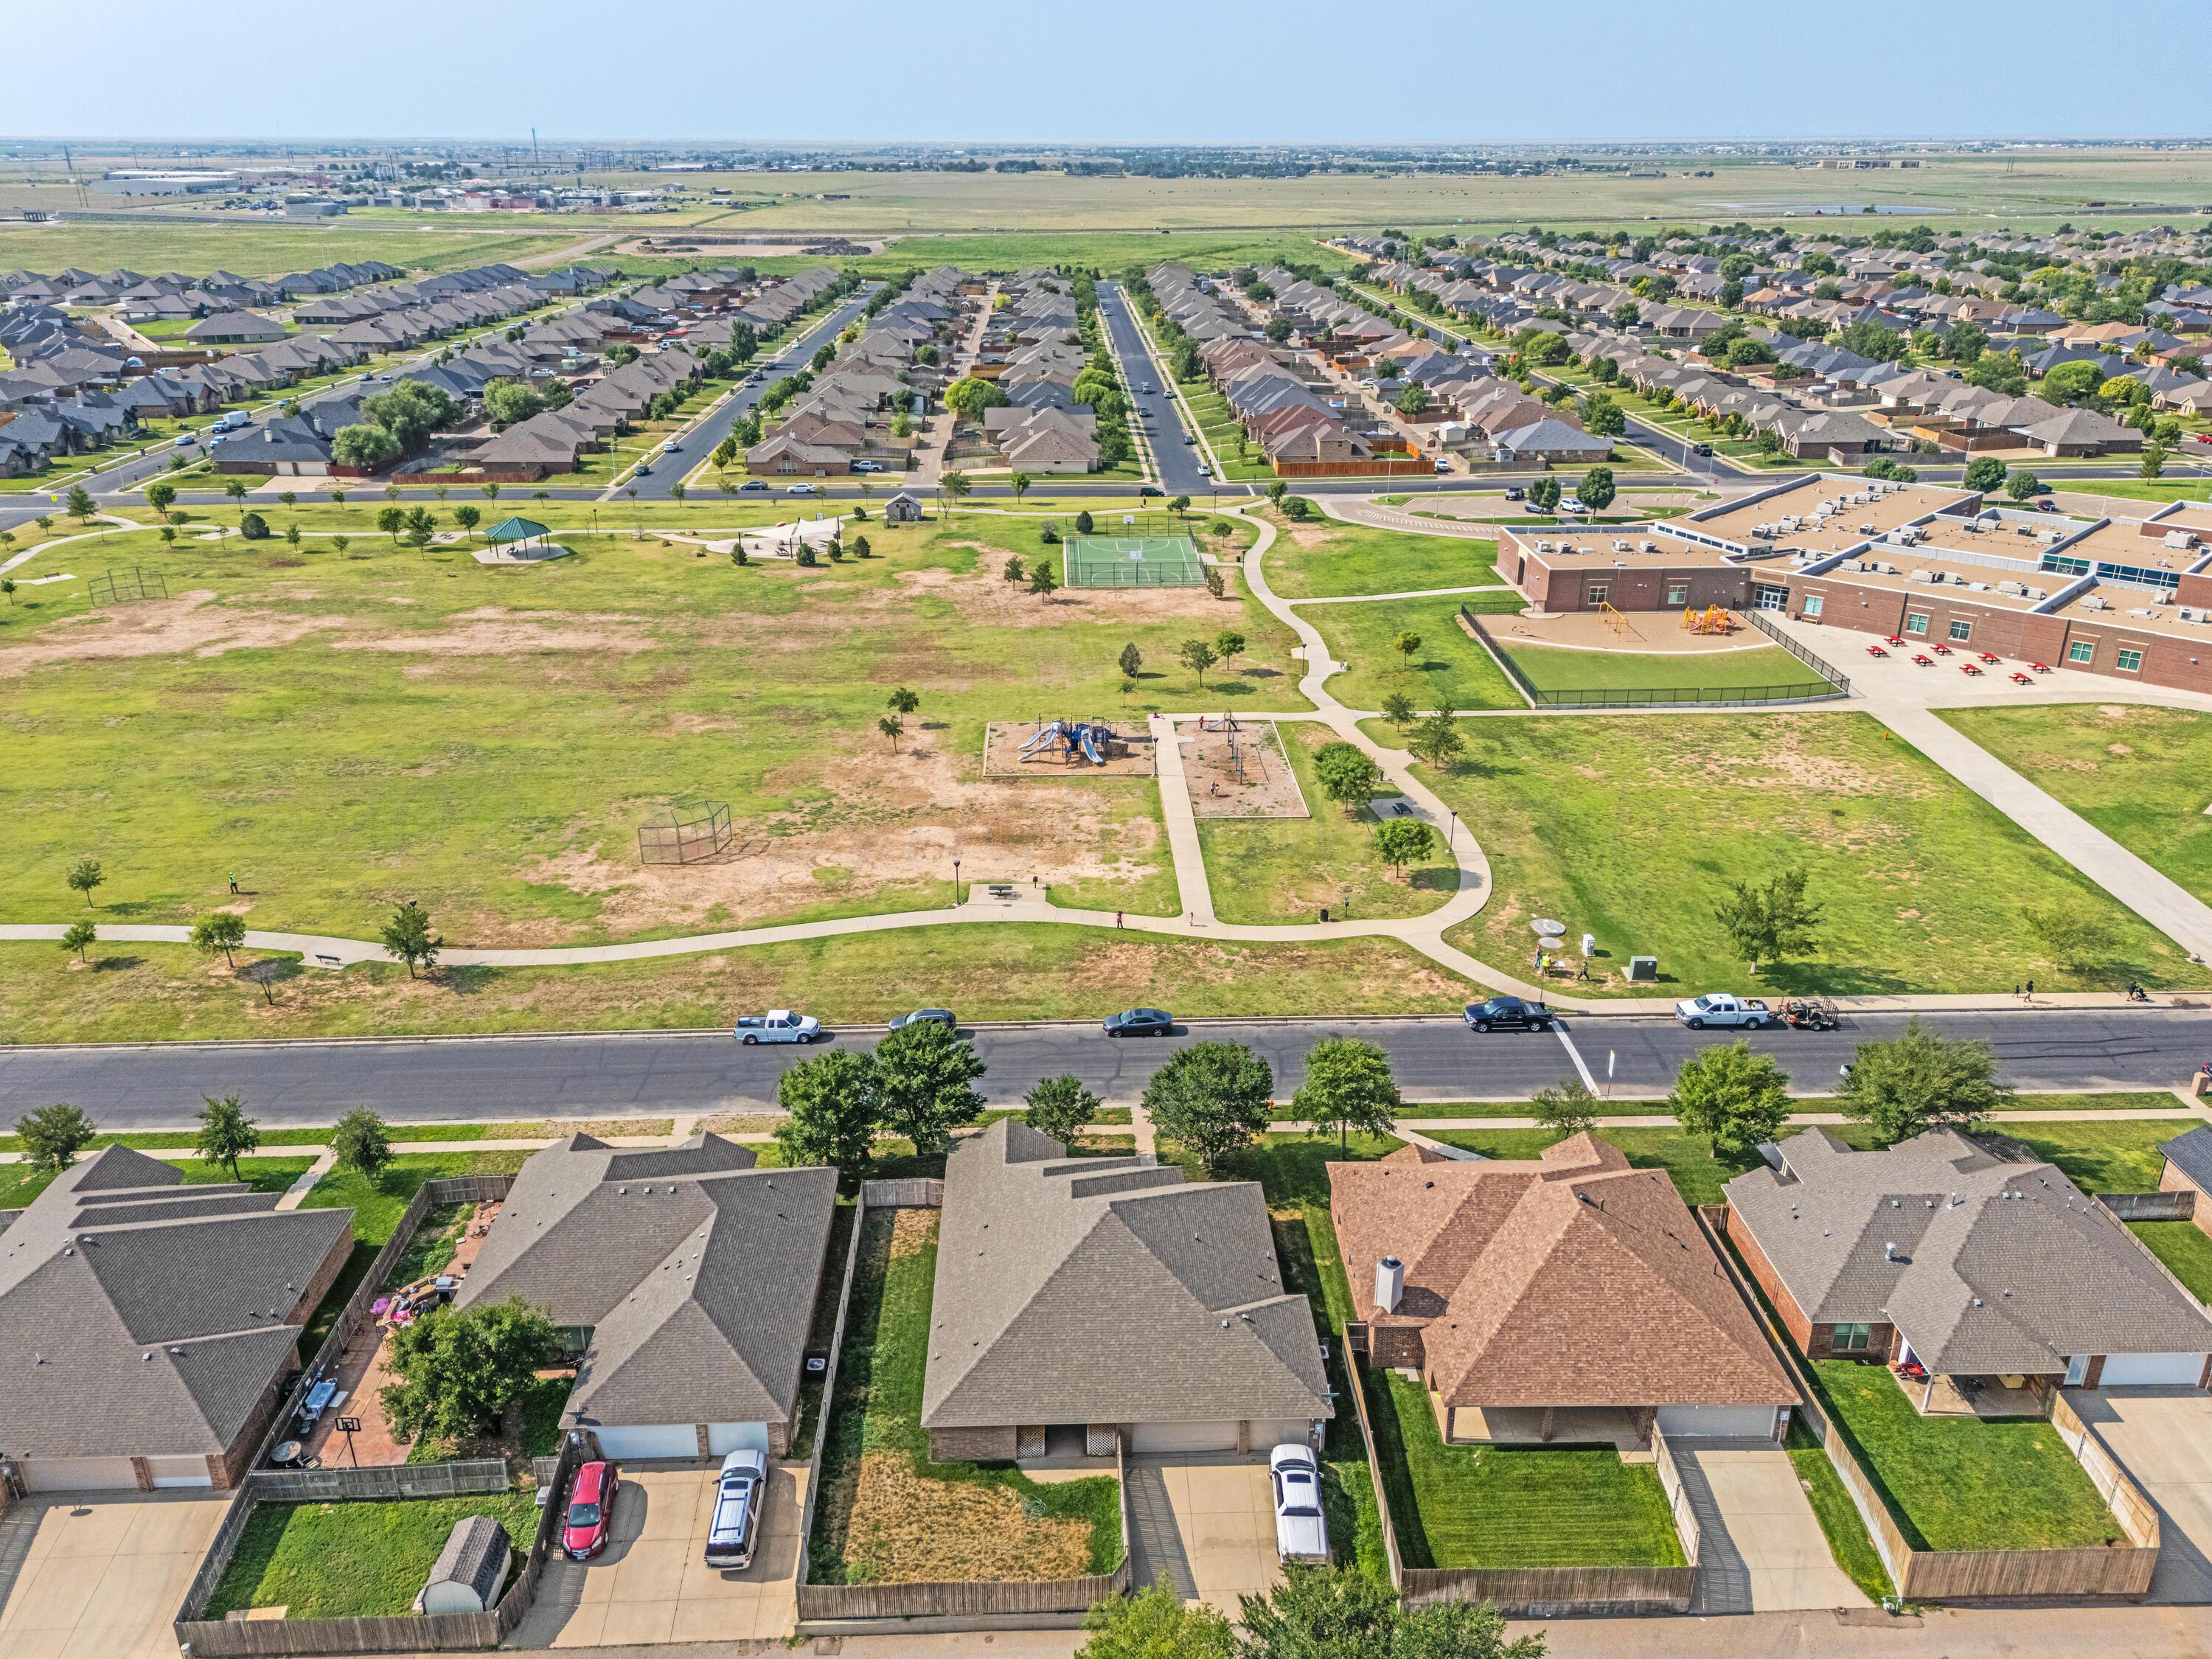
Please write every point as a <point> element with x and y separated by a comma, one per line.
<point>1125,72</point>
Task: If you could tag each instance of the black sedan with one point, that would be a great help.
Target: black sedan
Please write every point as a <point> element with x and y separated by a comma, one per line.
<point>926,1017</point>
<point>1508,1014</point>
<point>1140,1022</point>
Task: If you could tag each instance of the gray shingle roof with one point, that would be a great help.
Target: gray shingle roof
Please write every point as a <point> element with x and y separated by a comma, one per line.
<point>2191,1154</point>
<point>1107,1291</point>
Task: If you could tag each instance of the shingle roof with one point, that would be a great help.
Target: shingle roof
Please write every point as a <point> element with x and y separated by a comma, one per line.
<point>1107,1291</point>
<point>2191,1154</point>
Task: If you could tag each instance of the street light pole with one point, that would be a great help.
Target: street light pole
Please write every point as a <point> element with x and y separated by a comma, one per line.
<point>955,883</point>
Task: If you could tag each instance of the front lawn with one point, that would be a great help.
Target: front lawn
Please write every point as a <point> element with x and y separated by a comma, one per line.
<point>19,1184</point>
<point>2108,1155</point>
<point>1632,827</point>
<point>888,1515</point>
<point>353,1560</point>
<point>1769,668</point>
<point>1964,1483</point>
<point>1446,669</point>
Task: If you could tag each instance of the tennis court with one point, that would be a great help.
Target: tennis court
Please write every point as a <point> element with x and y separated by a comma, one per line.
<point>1132,562</point>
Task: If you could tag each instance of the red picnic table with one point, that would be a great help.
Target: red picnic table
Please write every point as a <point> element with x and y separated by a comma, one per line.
<point>1970,668</point>
<point>1925,661</point>
<point>1990,659</point>
<point>2023,679</point>
<point>2040,667</point>
<point>1876,651</point>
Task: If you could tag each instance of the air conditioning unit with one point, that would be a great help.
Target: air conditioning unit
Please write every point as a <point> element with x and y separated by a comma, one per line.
<point>2179,540</point>
<point>2013,588</point>
<point>1647,546</point>
<point>2193,613</point>
<point>2039,593</point>
<point>1619,546</point>
<point>2143,610</point>
<point>1866,529</point>
<point>1920,576</point>
<point>1977,587</point>
<point>2054,536</point>
<point>2091,602</point>
<point>1543,546</point>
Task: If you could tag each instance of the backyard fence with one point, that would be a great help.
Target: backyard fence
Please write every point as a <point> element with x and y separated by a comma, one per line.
<point>693,840</point>
<point>458,1478</point>
<point>1833,684</point>
<point>2179,1206</point>
<point>121,586</point>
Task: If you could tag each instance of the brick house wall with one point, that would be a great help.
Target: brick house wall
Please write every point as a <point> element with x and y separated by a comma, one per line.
<point>2171,1180</point>
<point>1645,582</point>
<point>991,1445</point>
<point>2165,660</point>
<point>1883,611</point>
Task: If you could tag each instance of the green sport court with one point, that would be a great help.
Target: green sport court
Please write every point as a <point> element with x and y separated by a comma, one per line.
<point>1133,561</point>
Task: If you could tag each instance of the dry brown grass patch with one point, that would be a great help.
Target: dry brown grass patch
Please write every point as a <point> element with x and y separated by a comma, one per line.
<point>908,1529</point>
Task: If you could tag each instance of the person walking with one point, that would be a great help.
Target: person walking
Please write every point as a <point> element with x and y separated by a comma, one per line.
<point>1117,919</point>
<point>234,881</point>
<point>2031,990</point>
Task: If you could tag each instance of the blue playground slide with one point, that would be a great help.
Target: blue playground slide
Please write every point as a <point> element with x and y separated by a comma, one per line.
<point>1088,736</point>
<point>1042,738</point>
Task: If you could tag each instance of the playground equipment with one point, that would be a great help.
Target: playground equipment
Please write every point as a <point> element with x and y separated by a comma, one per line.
<point>1064,740</point>
<point>1713,619</point>
<point>1613,619</point>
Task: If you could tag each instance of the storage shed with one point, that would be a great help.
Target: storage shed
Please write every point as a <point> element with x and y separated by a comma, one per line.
<point>471,1570</point>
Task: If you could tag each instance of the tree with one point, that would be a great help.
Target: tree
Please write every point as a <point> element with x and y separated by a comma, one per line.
<point>1545,492</point>
<point>1401,842</point>
<point>459,1370</point>
<point>1229,645</point>
<point>923,1071</point>
<point>85,875</point>
<point>253,527</point>
<point>892,727</point>
<point>467,517</point>
<point>1083,524</point>
<point>1601,415</point>
<point>1346,775</point>
<point>339,543</point>
<point>422,525</point>
<point>407,938</point>
<point>1210,1099</point>
<point>1627,314</point>
<point>2071,383</point>
<point>1732,1096</point>
<point>902,700</point>
<point>79,503</point>
<point>831,1111</point>
<point>1061,1107</point>
<point>969,398</point>
<point>1325,1613</point>
<point>1156,1623</point>
<point>1596,492</point>
<point>219,930</point>
<point>1012,570</point>
<point>160,497</point>
<point>1397,709</point>
<point>622,355</point>
<point>1020,484</point>
<point>2154,461</point>
<point>388,520</point>
<point>1766,922</point>
<point>1130,660</point>
<point>1413,400</point>
<point>954,485</point>
<point>81,937</point>
<point>366,446</point>
<point>2073,936</point>
<point>1348,1085</point>
<point>1922,1081</point>
<point>1179,505</point>
<point>225,1133</point>
<point>1984,473</point>
<point>359,1142</point>
<point>1567,1108</point>
<point>510,402</point>
<point>52,1136</point>
<point>2023,486</point>
<point>1044,580</point>
<point>1405,645</point>
<point>1197,656</point>
<point>1438,740</point>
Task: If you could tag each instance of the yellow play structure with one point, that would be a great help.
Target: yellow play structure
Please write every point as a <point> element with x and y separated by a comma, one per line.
<point>1713,619</point>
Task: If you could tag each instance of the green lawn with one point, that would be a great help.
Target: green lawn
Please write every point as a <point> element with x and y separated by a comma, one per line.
<point>887,1513</point>
<point>1447,670</point>
<point>2183,1246</point>
<point>353,1560</point>
<point>2110,1157</point>
<point>1558,669</point>
<point>1964,1483</point>
<point>1688,1159</point>
<point>1284,870</point>
<point>1848,1540</point>
<point>1324,558</point>
<point>1632,827</point>
<point>2142,775</point>
<point>319,1135</point>
<point>18,1185</point>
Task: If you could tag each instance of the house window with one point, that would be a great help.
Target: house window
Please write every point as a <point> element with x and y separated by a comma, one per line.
<point>2129,662</point>
<point>1851,1338</point>
<point>1813,603</point>
<point>2081,651</point>
<point>1597,593</point>
<point>1678,592</point>
<point>1915,624</point>
<point>1962,628</point>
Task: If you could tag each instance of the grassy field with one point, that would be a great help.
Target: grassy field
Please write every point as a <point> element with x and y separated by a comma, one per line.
<point>1551,668</point>
<point>2142,775</point>
<point>353,1560</point>
<point>887,1513</point>
<point>1329,560</point>
<point>259,249</point>
<point>312,1136</point>
<point>2183,1246</point>
<point>1447,669</point>
<point>1284,870</point>
<point>1630,826</point>
<point>2109,1157</point>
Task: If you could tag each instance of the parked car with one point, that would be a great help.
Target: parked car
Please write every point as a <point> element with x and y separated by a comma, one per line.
<point>586,1528</point>
<point>1508,1014</point>
<point>1701,449</point>
<point>1301,1529</point>
<point>926,1017</point>
<point>1570,505</point>
<point>866,466</point>
<point>1146,491</point>
<point>800,489</point>
<point>2204,437</point>
<point>1443,465</point>
<point>1140,1022</point>
<point>777,1025</point>
<point>2044,504</point>
<point>753,487</point>
<point>740,1494</point>
<point>1719,1008</point>
<point>1514,493</point>
<point>185,442</point>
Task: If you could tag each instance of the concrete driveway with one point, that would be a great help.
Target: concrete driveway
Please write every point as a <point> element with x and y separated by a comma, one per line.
<point>1204,1526</point>
<point>1761,1548</point>
<point>650,1585</point>
<point>104,1579</point>
<point>2163,1438</point>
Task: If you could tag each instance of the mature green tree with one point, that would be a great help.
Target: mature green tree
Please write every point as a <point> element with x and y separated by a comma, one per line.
<point>85,875</point>
<point>1229,645</point>
<point>2023,486</point>
<point>1545,492</point>
<point>1413,400</point>
<point>468,517</point>
<point>923,1074</point>
<point>457,1371</point>
<point>389,519</point>
<point>1922,1081</point>
<point>1197,656</point>
<point>1347,775</point>
<point>79,503</point>
<point>2071,383</point>
<point>1347,1086</point>
<point>160,497</point>
<point>361,1143</point>
<point>253,527</point>
<point>219,930</point>
<point>969,398</point>
<point>364,444</point>
<point>407,938</point>
<point>1211,1099</point>
<point>1602,416</point>
<point>1566,1108</point>
<point>1732,1096</point>
<point>1597,489</point>
<point>1627,314</point>
<point>1437,740</point>
<point>1329,1612</point>
<point>831,1111</point>
<point>225,1133</point>
<point>52,1136</point>
<point>1984,473</point>
<point>1155,1623</point>
<point>1768,920</point>
<point>1061,1107</point>
<point>81,937</point>
<point>1401,842</point>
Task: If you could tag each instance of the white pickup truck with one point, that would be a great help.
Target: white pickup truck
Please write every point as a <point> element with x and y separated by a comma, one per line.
<point>1719,1008</point>
<point>777,1025</point>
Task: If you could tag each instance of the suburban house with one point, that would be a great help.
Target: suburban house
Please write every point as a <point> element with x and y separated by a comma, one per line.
<point>685,1279</point>
<point>148,1328</point>
<point>2189,1170</point>
<point>1567,1297</point>
<point>1956,1267</point>
<point>1109,1294</point>
<point>235,328</point>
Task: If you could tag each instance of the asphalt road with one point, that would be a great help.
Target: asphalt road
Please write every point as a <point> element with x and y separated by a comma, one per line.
<point>465,1080</point>
<point>1176,461</point>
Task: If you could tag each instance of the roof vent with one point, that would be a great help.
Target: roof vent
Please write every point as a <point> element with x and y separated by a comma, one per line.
<point>1389,1284</point>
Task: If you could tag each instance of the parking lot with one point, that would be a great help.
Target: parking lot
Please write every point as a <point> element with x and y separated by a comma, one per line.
<point>103,1579</point>
<point>2163,1438</point>
<point>1204,1526</point>
<point>651,1583</point>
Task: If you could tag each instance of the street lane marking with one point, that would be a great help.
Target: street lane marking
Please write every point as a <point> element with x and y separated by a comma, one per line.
<point>1575,1054</point>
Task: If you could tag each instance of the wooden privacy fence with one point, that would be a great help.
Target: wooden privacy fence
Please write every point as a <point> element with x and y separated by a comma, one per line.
<point>2179,1206</point>
<point>458,1478</point>
<point>2116,1570</point>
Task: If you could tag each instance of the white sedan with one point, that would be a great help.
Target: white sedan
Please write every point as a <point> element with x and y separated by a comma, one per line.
<point>777,1025</point>
<point>1301,1530</point>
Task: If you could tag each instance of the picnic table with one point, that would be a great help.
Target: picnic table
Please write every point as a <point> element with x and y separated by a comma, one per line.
<point>1990,657</point>
<point>1924,660</point>
<point>1876,651</point>
<point>2023,679</point>
<point>2040,667</point>
<point>1970,668</point>
<point>1942,650</point>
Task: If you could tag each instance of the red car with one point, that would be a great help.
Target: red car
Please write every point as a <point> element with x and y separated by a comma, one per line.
<point>591,1510</point>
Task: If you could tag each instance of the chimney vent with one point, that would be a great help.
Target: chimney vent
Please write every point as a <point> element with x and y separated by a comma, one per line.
<point>1389,1283</point>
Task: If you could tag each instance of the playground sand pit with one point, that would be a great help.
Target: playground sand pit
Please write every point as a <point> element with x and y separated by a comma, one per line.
<point>1131,756</point>
<point>1240,772</point>
<point>1642,632</point>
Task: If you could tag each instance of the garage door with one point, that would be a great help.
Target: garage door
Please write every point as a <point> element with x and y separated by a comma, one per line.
<point>1717,1422</point>
<point>1182,1436</point>
<point>650,1440</point>
<point>171,1474</point>
<point>723,1438</point>
<point>1291,1431</point>
<point>2143,1370</point>
<point>80,1474</point>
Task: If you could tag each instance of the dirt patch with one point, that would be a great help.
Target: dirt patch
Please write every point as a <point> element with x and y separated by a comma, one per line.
<point>912,1232</point>
<point>160,628</point>
<point>729,1124</point>
<point>1130,754</point>
<point>493,631</point>
<point>1238,769</point>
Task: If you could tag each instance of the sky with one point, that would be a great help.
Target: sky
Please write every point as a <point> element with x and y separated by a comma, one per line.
<point>1126,72</point>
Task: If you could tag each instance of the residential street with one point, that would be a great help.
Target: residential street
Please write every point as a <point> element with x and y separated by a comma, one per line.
<point>1176,461</point>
